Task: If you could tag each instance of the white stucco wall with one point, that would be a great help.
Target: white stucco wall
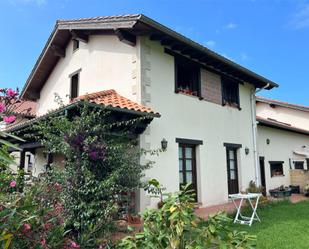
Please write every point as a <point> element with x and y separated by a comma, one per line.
<point>281,147</point>
<point>297,118</point>
<point>105,63</point>
<point>188,117</point>
<point>39,162</point>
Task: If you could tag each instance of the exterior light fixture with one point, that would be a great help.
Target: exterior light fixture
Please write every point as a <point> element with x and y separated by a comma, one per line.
<point>247,150</point>
<point>164,144</point>
<point>267,141</point>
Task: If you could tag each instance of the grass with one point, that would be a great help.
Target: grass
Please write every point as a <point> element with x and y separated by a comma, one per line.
<point>284,226</point>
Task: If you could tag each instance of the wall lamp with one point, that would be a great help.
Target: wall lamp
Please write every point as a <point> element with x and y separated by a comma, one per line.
<point>164,144</point>
<point>247,150</point>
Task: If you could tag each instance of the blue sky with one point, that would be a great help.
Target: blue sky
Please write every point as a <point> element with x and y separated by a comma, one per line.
<point>270,37</point>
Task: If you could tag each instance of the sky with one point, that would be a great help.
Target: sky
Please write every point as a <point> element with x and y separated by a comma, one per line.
<point>270,37</point>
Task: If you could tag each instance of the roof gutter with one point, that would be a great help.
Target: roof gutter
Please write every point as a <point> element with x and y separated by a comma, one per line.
<point>254,132</point>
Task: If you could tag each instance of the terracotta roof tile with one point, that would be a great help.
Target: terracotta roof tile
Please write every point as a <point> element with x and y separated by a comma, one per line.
<point>113,99</point>
<point>102,18</point>
<point>107,98</point>
<point>24,108</point>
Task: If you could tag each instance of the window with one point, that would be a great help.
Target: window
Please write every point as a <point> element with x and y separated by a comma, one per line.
<point>187,76</point>
<point>230,92</point>
<point>75,45</point>
<point>299,164</point>
<point>187,165</point>
<point>276,168</point>
<point>74,86</point>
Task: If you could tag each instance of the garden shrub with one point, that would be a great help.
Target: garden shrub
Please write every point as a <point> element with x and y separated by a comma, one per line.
<point>100,165</point>
<point>33,218</point>
<point>176,226</point>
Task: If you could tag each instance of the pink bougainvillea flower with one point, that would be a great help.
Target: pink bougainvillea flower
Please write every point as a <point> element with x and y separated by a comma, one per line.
<point>11,93</point>
<point>26,227</point>
<point>74,245</point>
<point>9,119</point>
<point>43,242</point>
<point>2,107</point>
<point>13,184</point>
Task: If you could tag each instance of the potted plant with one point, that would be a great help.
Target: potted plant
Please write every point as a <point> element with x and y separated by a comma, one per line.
<point>155,188</point>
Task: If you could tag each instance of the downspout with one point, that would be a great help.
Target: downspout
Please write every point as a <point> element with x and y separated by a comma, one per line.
<point>254,132</point>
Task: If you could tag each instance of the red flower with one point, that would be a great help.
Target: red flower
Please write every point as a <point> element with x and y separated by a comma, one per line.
<point>11,93</point>
<point>26,227</point>
<point>43,242</point>
<point>9,119</point>
<point>74,245</point>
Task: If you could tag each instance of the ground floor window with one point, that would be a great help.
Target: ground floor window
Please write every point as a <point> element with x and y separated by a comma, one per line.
<point>232,170</point>
<point>187,165</point>
<point>276,168</point>
<point>299,164</point>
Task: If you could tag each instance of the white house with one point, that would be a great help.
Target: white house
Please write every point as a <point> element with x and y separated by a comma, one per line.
<point>283,140</point>
<point>206,102</point>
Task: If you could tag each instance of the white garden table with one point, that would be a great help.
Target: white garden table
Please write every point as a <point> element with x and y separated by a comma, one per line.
<point>239,218</point>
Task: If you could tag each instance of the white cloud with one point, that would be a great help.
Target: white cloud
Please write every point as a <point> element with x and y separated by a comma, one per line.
<point>230,25</point>
<point>300,19</point>
<point>210,43</point>
<point>36,2</point>
<point>244,56</point>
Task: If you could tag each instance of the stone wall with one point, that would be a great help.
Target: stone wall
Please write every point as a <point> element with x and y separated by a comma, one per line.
<point>299,177</point>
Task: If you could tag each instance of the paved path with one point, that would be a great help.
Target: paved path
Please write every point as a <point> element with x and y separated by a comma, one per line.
<point>230,208</point>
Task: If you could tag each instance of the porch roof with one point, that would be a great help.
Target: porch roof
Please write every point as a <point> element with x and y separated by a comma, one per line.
<point>107,99</point>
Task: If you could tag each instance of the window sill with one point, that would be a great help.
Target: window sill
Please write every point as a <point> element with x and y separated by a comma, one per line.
<point>278,176</point>
<point>189,95</point>
<point>232,106</point>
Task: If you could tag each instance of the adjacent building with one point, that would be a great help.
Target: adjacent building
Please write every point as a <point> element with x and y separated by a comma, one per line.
<point>283,142</point>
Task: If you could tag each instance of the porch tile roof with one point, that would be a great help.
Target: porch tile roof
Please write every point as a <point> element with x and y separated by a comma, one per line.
<point>113,99</point>
<point>107,98</point>
<point>24,108</point>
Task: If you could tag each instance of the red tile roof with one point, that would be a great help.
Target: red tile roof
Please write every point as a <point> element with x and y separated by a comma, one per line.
<point>24,108</point>
<point>107,98</point>
<point>281,125</point>
<point>113,99</point>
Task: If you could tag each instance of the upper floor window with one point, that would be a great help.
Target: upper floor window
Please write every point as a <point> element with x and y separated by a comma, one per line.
<point>187,76</point>
<point>74,86</point>
<point>230,92</point>
<point>75,45</point>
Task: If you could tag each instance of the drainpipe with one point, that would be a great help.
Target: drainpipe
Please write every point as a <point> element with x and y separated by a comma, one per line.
<point>254,131</point>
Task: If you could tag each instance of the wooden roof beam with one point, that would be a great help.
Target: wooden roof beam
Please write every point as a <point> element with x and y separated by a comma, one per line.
<point>79,36</point>
<point>57,50</point>
<point>126,37</point>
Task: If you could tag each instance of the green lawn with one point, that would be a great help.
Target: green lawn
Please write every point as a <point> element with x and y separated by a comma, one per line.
<point>284,226</point>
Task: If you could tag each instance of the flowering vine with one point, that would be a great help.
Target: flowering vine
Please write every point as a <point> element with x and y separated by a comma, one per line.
<point>8,97</point>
